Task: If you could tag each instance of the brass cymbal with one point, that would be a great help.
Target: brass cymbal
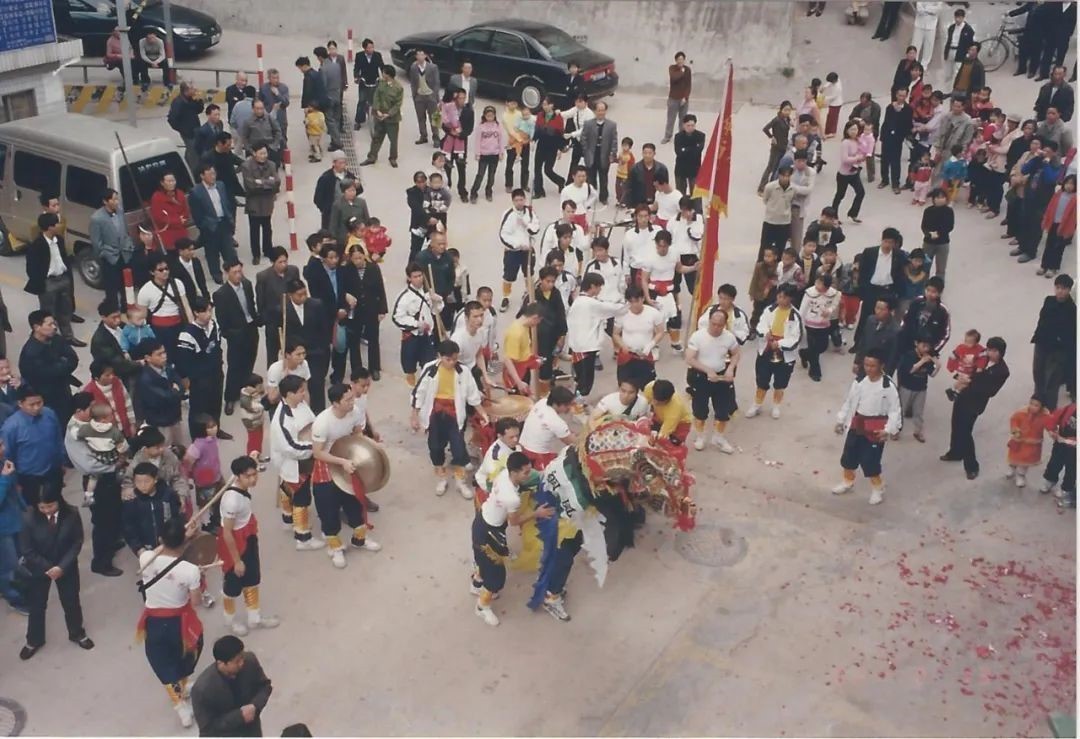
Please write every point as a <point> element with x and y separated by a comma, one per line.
<point>370,459</point>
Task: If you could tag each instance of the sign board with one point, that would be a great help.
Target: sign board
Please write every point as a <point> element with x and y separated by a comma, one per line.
<point>25,23</point>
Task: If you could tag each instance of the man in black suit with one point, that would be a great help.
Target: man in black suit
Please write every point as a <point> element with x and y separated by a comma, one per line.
<point>105,343</point>
<point>958,38</point>
<point>366,71</point>
<point>238,319</point>
<point>881,275</point>
<point>970,404</point>
<point>326,283</point>
<point>420,221</point>
<point>48,274</point>
<point>184,267</point>
<point>328,186</point>
<point>1057,93</point>
<point>270,287</point>
<point>50,542</point>
<point>225,162</point>
<point>309,322</point>
<point>48,361</point>
<point>364,284</point>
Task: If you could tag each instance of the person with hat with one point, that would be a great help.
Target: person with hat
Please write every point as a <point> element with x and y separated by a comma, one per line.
<point>969,404</point>
<point>49,542</point>
<point>169,626</point>
<point>870,414</point>
<point>229,695</point>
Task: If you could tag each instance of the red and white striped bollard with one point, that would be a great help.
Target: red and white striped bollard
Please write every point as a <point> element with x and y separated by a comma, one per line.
<point>290,203</point>
<point>349,53</point>
<point>259,59</point>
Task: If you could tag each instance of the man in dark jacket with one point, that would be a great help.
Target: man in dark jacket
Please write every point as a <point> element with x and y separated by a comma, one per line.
<point>328,186</point>
<point>366,71</point>
<point>238,317</point>
<point>105,343</point>
<point>309,322</point>
<point>158,392</point>
<point>200,361</point>
<point>48,274</point>
<point>270,285</point>
<point>689,146</point>
<point>231,694</point>
<point>895,129</point>
<point>187,269</point>
<point>50,541</point>
<point>47,361</point>
<point>1054,363</point>
<point>886,281</point>
<point>641,185</point>
<point>971,402</point>
<point>927,319</point>
<point>183,118</point>
<point>881,336</point>
<point>825,231</point>
<point>145,514</point>
<point>224,161</point>
<point>1058,93</point>
<point>438,265</point>
<point>313,91</point>
<point>364,282</point>
<point>420,221</point>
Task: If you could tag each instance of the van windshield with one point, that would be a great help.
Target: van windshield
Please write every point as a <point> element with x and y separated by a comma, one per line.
<point>148,172</point>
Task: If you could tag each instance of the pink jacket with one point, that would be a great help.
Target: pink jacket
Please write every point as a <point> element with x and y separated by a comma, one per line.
<point>866,144</point>
<point>450,120</point>
<point>489,139</point>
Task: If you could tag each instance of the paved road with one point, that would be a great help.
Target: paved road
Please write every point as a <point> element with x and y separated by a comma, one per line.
<point>947,610</point>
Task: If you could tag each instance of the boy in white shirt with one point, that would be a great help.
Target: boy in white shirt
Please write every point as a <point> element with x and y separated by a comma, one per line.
<point>516,231</point>
<point>638,242</point>
<point>507,433</point>
<point>552,238</point>
<point>627,403</point>
<point>637,332</point>
<point>658,272</point>
<point>585,323</point>
<point>545,433</point>
<point>666,202</point>
<point>738,320</point>
<point>583,196</point>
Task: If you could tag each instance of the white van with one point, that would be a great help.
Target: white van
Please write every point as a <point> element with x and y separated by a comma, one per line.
<point>76,157</point>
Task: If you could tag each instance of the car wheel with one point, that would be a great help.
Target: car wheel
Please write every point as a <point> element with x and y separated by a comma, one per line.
<point>89,268</point>
<point>6,247</point>
<point>529,93</point>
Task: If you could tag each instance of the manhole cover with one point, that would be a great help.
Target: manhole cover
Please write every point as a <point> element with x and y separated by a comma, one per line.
<point>12,717</point>
<point>712,546</point>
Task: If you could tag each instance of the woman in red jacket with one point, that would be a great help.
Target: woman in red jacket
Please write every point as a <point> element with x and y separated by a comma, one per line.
<point>549,142</point>
<point>169,212</point>
<point>1059,223</point>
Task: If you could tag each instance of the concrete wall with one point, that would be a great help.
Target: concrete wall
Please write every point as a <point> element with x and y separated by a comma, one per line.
<point>642,35</point>
<point>32,69</point>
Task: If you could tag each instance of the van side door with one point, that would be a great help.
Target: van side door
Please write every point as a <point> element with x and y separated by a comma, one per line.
<point>32,175</point>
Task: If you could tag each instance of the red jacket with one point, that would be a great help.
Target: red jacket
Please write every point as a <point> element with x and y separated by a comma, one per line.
<point>170,216</point>
<point>1068,222</point>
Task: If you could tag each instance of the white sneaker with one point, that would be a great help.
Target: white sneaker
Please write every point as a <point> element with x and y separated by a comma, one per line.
<point>239,628</point>
<point>474,589</point>
<point>557,609</point>
<point>843,488</point>
<point>266,622</point>
<point>371,545</point>
<point>337,557</point>
<point>487,615</point>
<point>723,444</point>
<point>776,411</point>
<point>186,714</point>
<point>877,495</point>
<point>1010,472</point>
<point>310,545</point>
<point>699,442</point>
<point>1046,486</point>
<point>1021,480</point>
<point>464,489</point>
<point>207,600</point>
<point>752,411</point>
<point>441,485</point>
<point>88,499</point>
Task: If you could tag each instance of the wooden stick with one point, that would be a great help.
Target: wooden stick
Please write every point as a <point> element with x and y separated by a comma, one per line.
<point>437,315</point>
<point>284,306</point>
<point>217,496</point>
<point>534,375</point>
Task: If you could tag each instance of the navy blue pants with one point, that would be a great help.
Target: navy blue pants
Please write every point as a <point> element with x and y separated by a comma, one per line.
<point>443,429</point>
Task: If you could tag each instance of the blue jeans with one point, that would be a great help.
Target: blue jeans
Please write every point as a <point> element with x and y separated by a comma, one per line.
<point>9,557</point>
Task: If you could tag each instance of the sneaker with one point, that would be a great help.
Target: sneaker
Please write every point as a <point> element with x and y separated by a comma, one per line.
<point>723,444</point>
<point>88,499</point>
<point>752,411</point>
<point>266,622</point>
<point>487,615</point>
<point>877,495</point>
<point>474,587</point>
<point>843,488</point>
<point>1021,481</point>
<point>239,628</point>
<point>1066,502</point>
<point>676,347</point>
<point>699,442</point>
<point>207,600</point>
<point>310,545</point>
<point>19,608</point>
<point>504,305</point>
<point>1050,274</point>
<point>1009,473</point>
<point>186,714</point>
<point>262,466</point>
<point>1040,271</point>
<point>556,608</point>
<point>337,557</point>
<point>464,489</point>
<point>441,485</point>
<point>1046,486</point>
<point>1015,252</point>
<point>369,545</point>
<point>775,411</point>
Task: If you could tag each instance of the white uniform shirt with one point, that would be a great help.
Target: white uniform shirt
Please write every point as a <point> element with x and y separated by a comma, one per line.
<point>286,448</point>
<point>584,197</point>
<point>637,245</point>
<point>638,329</point>
<point>713,351</point>
<point>585,323</point>
<point>278,372</point>
<point>494,453</point>
<point>360,410</point>
<point>667,205</point>
<point>579,243</point>
<point>174,589</point>
<point>738,323</point>
<point>661,267</point>
<point>470,345</point>
<point>503,501</point>
<point>411,310</point>
<point>612,405</point>
<point>237,507</point>
<point>517,229</point>
<point>328,428</point>
<point>544,429</point>
<point>487,330</point>
<point>150,296</point>
<point>614,289</point>
<point>869,398</point>
<point>686,235</point>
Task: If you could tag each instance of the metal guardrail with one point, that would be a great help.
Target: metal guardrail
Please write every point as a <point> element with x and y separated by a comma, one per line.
<point>180,72</point>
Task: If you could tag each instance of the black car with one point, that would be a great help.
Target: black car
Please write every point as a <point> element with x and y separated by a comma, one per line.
<point>514,59</point>
<point>93,21</point>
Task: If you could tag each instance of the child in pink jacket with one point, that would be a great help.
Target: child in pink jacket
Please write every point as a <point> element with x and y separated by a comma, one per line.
<point>489,142</point>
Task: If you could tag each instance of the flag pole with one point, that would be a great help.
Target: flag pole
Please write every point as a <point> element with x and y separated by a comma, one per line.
<point>695,298</point>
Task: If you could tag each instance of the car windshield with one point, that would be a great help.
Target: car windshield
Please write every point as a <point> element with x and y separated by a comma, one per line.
<point>148,172</point>
<point>557,42</point>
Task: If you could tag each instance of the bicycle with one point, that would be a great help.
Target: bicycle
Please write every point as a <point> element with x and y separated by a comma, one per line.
<point>995,50</point>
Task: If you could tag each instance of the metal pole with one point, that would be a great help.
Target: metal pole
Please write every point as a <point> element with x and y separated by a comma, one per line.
<point>170,57</point>
<point>125,54</point>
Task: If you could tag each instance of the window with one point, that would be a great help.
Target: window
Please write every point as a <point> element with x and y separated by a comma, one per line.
<point>39,174</point>
<point>506,44</point>
<point>558,43</point>
<point>84,187</point>
<point>476,40</point>
<point>149,172</point>
<point>18,105</point>
<point>3,163</point>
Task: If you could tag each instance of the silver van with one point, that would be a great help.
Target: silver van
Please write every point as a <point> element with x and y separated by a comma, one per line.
<point>76,157</point>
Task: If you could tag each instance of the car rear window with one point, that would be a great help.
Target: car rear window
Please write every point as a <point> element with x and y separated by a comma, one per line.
<point>148,172</point>
<point>558,43</point>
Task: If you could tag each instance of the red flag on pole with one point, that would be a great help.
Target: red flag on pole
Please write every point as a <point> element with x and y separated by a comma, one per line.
<point>712,185</point>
